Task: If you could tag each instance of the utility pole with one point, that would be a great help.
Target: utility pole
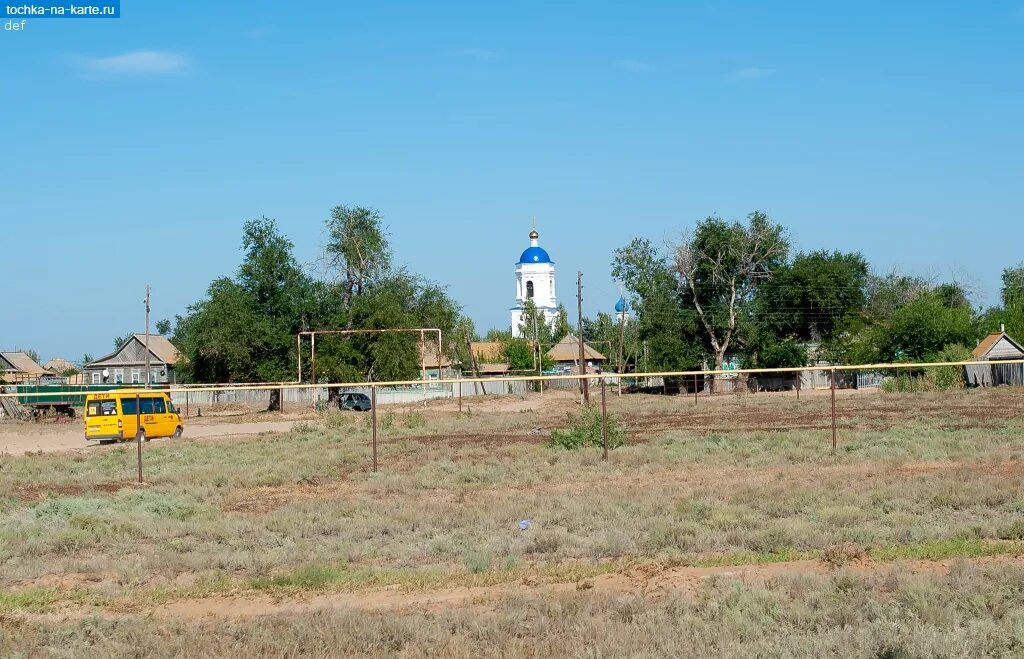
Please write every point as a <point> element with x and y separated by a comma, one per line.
<point>584,389</point>
<point>622,338</point>
<point>540,363</point>
<point>622,343</point>
<point>148,378</point>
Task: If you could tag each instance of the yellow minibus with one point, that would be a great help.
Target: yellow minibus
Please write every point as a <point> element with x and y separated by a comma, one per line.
<point>126,413</point>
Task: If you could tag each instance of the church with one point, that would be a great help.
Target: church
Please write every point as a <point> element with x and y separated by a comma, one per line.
<point>535,280</point>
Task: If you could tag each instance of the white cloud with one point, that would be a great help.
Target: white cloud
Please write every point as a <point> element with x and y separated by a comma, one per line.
<point>634,65</point>
<point>751,73</point>
<point>137,62</point>
<point>473,53</point>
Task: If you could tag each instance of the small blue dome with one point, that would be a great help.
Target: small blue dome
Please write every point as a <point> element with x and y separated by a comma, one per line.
<point>621,305</point>
<point>535,255</point>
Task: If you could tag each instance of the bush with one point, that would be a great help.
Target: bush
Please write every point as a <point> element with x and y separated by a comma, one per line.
<point>584,429</point>
<point>414,420</point>
<point>949,377</point>
<point>940,378</point>
<point>334,419</point>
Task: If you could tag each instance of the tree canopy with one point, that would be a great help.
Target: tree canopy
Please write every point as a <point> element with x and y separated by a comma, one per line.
<point>244,328</point>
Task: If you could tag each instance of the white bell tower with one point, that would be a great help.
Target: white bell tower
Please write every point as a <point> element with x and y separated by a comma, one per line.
<point>535,280</point>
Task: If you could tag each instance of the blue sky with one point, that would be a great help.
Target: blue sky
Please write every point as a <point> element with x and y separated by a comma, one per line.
<point>133,149</point>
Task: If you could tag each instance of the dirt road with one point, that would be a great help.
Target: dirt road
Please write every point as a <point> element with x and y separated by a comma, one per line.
<point>47,437</point>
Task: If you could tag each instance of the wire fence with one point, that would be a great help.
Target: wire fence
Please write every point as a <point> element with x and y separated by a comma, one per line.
<point>824,400</point>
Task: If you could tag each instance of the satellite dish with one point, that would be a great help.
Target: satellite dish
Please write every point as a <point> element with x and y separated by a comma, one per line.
<point>106,373</point>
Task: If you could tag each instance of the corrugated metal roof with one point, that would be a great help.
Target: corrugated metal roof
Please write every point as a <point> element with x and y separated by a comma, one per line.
<point>568,350</point>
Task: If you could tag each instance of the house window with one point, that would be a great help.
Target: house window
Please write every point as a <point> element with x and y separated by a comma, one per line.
<point>118,376</point>
<point>529,289</point>
<point>136,376</point>
<point>154,375</point>
<point>95,377</point>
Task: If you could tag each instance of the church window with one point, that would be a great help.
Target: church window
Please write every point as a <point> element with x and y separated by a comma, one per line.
<point>529,289</point>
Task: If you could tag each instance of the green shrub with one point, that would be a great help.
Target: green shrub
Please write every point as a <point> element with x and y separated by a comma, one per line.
<point>413,420</point>
<point>584,429</point>
<point>939,378</point>
<point>477,560</point>
<point>335,419</point>
<point>945,378</point>
<point>385,421</point>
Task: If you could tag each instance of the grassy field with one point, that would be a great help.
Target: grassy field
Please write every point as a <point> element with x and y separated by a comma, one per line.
<point>725,525</point>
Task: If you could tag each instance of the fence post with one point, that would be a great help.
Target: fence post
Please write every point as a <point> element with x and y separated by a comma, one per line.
<point>459,385</point>
<point>373,412</point>
<point>604,421</point>
<point>694,388</point>
<point>833,411</point>
<point>798,378</point>
<point>186,403</point>
<point>138,433</point>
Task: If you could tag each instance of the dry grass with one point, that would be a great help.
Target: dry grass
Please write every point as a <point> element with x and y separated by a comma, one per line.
<point>725,481</point>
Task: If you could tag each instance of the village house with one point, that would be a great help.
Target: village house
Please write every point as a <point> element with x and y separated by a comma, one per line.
<point>17,367</point>
<point>995,348</point>
<point>127,364</point>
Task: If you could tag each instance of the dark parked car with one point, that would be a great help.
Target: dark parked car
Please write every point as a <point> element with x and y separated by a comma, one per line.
<point>354,402</point>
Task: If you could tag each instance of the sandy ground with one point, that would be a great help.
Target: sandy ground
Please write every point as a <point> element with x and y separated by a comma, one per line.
<point>17,439</point>
<point>652,580</point>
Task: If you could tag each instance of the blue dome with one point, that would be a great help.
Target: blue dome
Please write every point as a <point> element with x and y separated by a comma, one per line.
<point>535,255</point>
<point>621,305</point>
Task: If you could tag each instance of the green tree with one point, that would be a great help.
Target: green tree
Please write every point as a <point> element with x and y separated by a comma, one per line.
<point>163,327</point>
<point>663,325</point>
<point>816,297</point>
<point>561,326</point>
<point>602,333</point>
<point>721,265</point>
<point>243,331</point>
<point>921,329</point>
<point>1013,286</point>
<point>358,250</point>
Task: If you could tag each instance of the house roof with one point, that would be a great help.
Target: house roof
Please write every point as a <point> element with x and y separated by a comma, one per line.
<point>491,369</point>
<point>990,342</point>
<point>490,351</point>
<point>23,363</point>
<point>568,350</point>
<point>59,365</point>
<point>5,364</point>
<point>133,351</point>
<point>428,355</point>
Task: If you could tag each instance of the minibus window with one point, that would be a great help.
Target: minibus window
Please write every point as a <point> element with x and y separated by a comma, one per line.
<point>158,406</point>
<point>128,406</point>
<point>102,408</point>
<point>147,405</point>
